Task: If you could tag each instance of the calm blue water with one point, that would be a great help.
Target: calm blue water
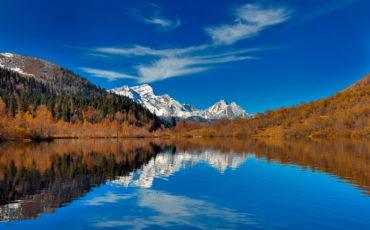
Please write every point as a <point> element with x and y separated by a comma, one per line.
<point>205,189</point>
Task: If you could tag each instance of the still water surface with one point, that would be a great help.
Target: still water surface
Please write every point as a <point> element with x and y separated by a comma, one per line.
<point>185,184</point>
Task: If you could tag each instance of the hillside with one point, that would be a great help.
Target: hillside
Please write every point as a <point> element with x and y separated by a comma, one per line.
<point>56,78</point>
<point>27,83</point>
<point>345,114</point>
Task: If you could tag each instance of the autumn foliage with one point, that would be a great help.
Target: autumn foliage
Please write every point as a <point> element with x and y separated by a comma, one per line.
<point>346,114</point>
<point>42,125</point>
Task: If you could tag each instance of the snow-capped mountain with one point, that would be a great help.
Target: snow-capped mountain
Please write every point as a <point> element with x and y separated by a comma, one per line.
<point>165,106</point>
<point>222,110</point>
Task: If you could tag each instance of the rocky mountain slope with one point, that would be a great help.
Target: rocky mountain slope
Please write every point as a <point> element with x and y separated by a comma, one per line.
<point>58,79</point>
<point>167,107</point>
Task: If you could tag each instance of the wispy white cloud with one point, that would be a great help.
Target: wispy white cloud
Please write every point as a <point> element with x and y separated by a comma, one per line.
<point>137,50</point>
<point>159,64</point>
<point>152,14</point>
<point>171,67</point>
<point>164,23</point>
<point>249,20</point>
<point>107,74</point>
<point>169,63</point>
<point>176,67</point>
<point>166,68</point>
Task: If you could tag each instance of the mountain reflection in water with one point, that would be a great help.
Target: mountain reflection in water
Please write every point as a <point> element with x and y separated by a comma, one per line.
<point>166,163</point>
<point>38,178</point>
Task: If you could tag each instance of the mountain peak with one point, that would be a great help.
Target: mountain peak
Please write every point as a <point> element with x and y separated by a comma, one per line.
<point>143,89</point>
<point>165,106</point>
<point>122,88</point>
<point>222,110</point>
<point>221,102</point>
<point>218,106</point>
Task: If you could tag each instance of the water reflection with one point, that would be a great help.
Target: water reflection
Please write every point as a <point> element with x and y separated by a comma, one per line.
<point>169,161</point>
<point>170,210</point>
<point>37,178</point>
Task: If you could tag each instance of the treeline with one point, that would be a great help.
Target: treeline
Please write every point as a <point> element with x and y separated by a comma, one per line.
<point>24,94</point>
<point>41,125</point>
<point>27,102</point>
<point>346,114</point>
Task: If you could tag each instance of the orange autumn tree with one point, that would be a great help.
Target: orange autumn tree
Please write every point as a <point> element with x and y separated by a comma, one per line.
<point>90,114</point>
<point>44,122</point>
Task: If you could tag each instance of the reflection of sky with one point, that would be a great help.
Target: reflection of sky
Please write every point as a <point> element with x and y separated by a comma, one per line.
<point>257,194</point>
<point>163,209</point>
<point>109,197</point>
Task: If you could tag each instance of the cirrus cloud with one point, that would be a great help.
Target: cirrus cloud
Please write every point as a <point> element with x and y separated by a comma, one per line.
<point>150,65</point>
<point>168,63</point>
<point>249,20</point>
<point>107,74</point>
<point>152,14</point>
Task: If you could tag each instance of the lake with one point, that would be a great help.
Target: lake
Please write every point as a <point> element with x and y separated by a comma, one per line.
<point>185,184</point>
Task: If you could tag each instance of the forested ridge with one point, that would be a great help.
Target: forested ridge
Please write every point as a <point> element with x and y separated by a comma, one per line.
<point>24,97</point>
<point>22,94</point>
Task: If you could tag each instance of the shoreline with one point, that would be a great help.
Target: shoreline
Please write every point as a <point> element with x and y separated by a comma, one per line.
<point>185,136</point>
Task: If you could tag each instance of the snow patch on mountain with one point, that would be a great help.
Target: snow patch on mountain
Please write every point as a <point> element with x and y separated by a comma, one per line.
<point>13,62</point>
<point>19,70</point>
<point>9,55</point>
<point>165,106</point>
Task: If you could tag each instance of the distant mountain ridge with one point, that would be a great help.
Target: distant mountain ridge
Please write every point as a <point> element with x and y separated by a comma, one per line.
<point>166,107</point>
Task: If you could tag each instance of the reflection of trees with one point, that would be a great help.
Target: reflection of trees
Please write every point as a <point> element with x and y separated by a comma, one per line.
<point>37,178</point>
<point>49,175</point>
<point>345,159</point>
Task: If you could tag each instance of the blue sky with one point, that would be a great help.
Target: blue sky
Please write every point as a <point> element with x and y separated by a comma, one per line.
<point>261,54</point>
